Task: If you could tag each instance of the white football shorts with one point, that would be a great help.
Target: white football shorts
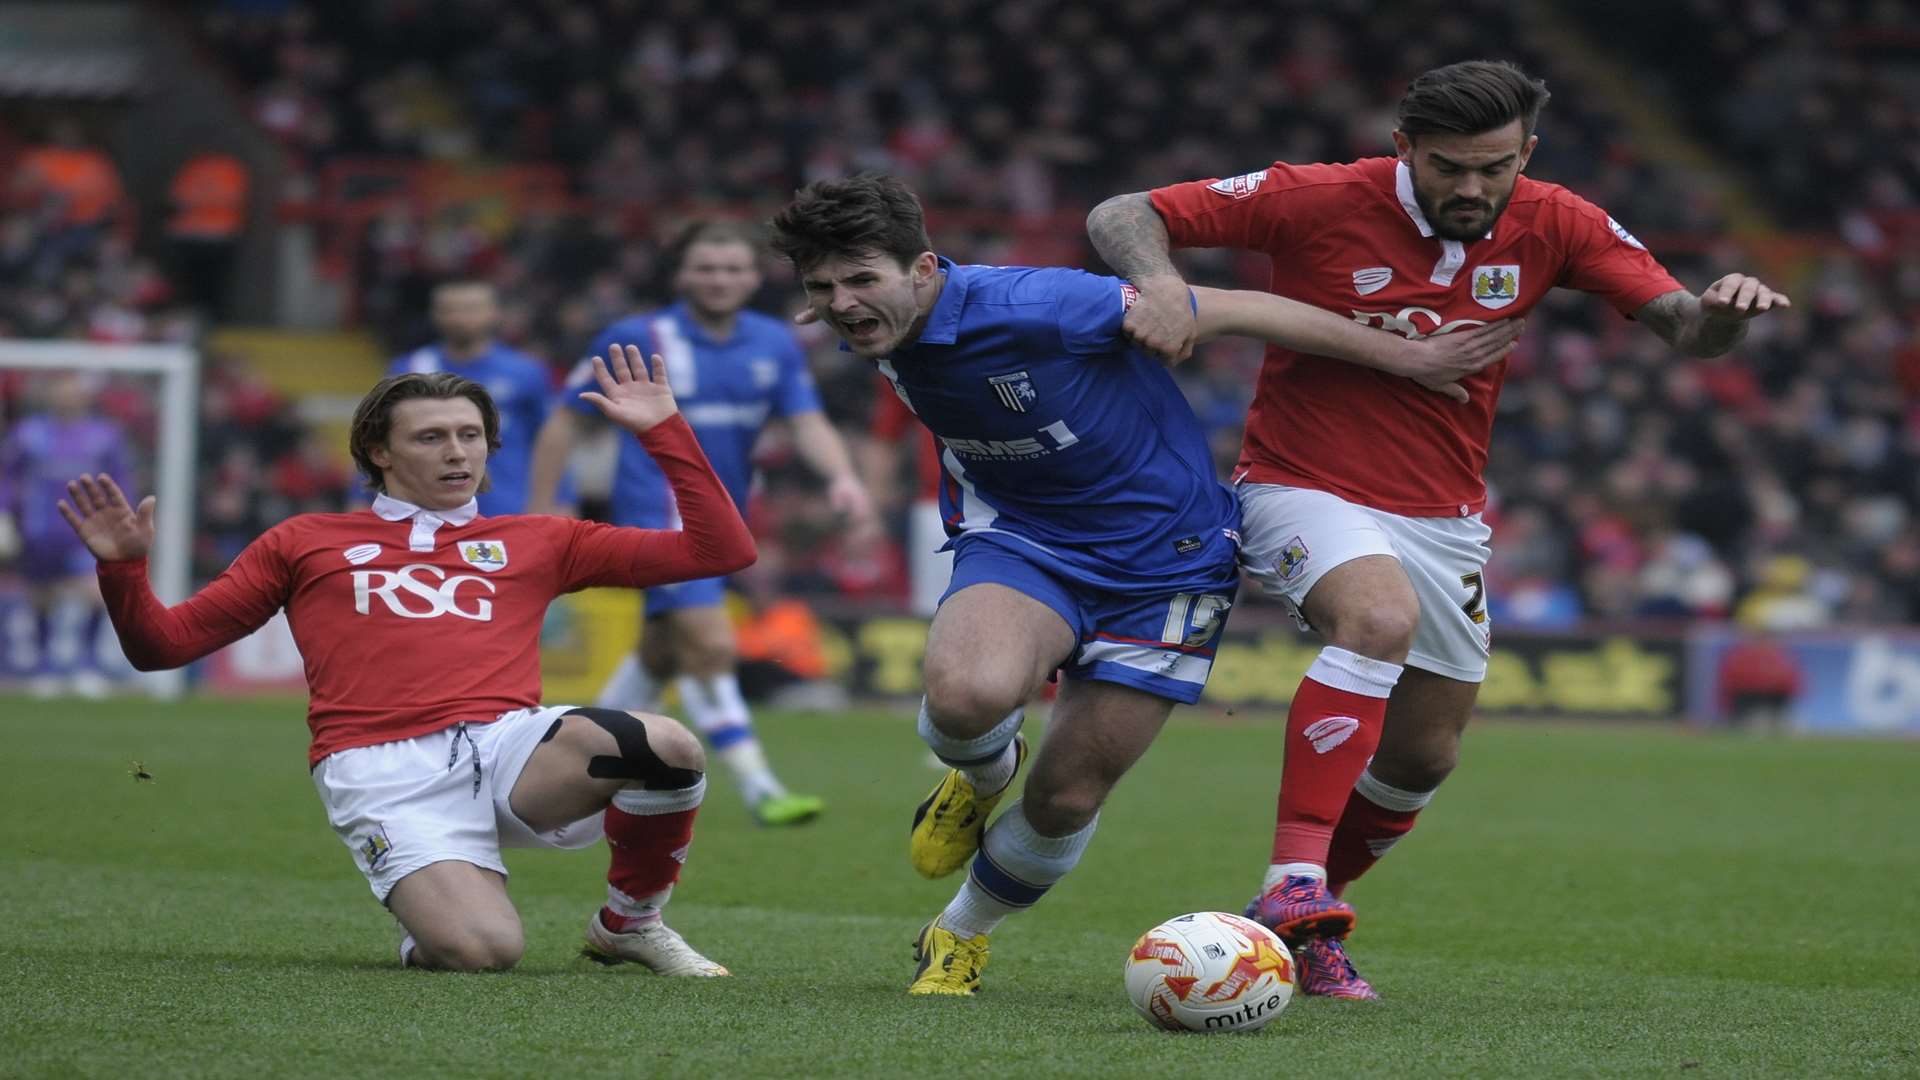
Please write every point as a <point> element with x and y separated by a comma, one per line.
<point>400,806</point>
<point>1293,536</point>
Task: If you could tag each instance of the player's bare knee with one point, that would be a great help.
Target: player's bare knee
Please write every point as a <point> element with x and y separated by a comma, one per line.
<point>478,948</point>
<point>1380,631</point>
<point>966,700</point>
<point>1421,767</point>
<point>648,751</point>
<point>673,742</point>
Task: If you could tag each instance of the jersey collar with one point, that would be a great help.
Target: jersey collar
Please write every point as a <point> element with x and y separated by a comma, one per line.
<point>943,322</point>
<point>425,522</point>
<point>1403,187</point>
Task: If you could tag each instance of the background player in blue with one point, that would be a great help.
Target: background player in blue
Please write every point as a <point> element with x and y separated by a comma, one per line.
<point>733,371</point>
<point>466,314</point>
<point>1090,534</point>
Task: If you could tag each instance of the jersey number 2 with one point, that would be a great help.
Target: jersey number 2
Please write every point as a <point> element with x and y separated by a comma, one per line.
<point>1476,605</point>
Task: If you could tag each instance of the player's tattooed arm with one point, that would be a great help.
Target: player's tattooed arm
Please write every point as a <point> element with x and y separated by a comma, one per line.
<point>1127,232</point>
<point>1713,322</point>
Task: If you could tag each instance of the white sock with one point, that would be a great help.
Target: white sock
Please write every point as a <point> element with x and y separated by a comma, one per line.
<point>995,775</point>
<point>629,687</point>
<point>1279,871</point>
<point>1015,868</point>
<point>719,713</point>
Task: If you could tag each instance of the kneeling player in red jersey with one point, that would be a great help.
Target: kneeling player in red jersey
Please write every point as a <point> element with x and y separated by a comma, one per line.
<point>1360,493</point>
<point>419,622</point>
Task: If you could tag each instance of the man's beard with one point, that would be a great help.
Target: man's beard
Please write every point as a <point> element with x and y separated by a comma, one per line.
<point>1443,226</point>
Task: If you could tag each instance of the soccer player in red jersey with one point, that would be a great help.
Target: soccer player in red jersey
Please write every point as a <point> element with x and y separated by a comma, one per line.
<point>419,622</point>
<point>1362,494</point>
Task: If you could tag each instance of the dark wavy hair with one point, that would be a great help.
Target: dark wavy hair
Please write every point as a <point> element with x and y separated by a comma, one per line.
<point>1471,97</point>
<point>373,417</point>
<point>864,215</point>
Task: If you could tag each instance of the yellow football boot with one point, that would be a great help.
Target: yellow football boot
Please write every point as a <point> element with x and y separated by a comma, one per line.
<point>949,964</point>
<point>947,826</point>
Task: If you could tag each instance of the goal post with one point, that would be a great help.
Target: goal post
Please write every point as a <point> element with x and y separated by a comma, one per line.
<point>177,368</point>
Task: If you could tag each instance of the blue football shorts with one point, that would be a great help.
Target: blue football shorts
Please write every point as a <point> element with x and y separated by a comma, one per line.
<point>1161,643</point>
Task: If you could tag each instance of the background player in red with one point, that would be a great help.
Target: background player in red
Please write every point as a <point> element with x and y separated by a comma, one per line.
<point>1362,495</point>
<point>419,623</point>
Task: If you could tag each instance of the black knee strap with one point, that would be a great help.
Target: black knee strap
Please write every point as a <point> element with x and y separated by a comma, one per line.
<point>637,761</point>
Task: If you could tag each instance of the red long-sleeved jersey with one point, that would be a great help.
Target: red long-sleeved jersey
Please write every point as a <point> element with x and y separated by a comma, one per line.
<point>406,631</point>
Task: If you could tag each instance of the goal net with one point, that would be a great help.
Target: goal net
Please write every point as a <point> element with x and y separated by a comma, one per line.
<point>70,407</point>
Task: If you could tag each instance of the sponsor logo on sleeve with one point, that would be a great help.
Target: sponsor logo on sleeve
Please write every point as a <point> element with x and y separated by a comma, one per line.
<point>1496,286</point>
<point>488,555</point>
<point>1128,295</point>
<point>1620,231</point>
<point>1239,187</point>
<point>1371,279</point>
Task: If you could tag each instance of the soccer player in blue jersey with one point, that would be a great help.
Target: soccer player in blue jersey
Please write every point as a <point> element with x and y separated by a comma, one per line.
<point>1090,534</point>
<point>734,371</point>
<point>466,315</point>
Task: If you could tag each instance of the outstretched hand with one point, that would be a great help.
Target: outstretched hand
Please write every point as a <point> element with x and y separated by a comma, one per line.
<point>111,529</point>
<point>631,395</point>
<point>1739,297</point>
<point>1440,362</point>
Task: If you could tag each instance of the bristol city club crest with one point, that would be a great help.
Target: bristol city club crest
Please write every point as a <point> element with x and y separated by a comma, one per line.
<point>488,555</point>
<point>1496,286</point>
<point>1015,391</point>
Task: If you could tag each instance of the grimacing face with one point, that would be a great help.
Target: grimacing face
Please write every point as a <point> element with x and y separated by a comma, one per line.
<point>870,300</point>
<point>718,277</point>
<point>1463,182</point>
<point>436,452</point>
<point>465,314</point>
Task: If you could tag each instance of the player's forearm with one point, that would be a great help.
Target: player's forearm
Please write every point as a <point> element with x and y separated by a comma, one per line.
<point>1291,324</point>
<point>1683,322</point>
<point>551,448</point>
<point>156,637</point>
<point>712,540</point>
<point>1127,232</point>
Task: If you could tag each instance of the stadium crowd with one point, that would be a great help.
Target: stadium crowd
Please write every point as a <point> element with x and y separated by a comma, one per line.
<point>1777,484</point>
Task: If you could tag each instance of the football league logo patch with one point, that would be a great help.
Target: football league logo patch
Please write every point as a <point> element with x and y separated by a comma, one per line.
<point>1496,286</point>
<point>488,555</point>
<point>1626,237</point>
<point>375,847</point>
<point>1015,391</point>
<point>1293,559</point>
<point>1239,187</point>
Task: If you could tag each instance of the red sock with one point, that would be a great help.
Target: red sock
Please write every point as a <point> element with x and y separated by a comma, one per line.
<point>649,833</point>
<point>1377,816</point>
<point>1333,727</point>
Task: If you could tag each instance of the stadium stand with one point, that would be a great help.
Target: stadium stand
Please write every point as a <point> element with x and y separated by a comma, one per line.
<point>429,138</point>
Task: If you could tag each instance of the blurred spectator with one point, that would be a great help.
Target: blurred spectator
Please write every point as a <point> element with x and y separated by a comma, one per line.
<point>1757,684</point>
<point>209,194</point>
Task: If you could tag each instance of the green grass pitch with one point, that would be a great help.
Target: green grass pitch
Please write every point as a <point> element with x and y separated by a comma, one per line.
<point>1579,901</point>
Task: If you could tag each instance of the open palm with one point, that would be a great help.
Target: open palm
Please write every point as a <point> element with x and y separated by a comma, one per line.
<point>631,395</point>
<point>111,529</point>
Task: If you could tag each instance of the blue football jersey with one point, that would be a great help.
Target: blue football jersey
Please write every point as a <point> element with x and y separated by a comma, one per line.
<point>1059,437</point>
<point>727,390</point>
<point>521,391</point>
